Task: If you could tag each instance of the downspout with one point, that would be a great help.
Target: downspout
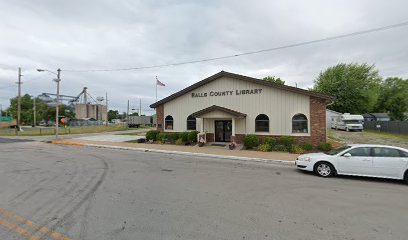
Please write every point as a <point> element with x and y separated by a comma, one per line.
<point>332,101</point>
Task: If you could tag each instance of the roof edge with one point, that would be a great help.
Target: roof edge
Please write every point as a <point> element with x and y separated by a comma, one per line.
<point>244,78</point>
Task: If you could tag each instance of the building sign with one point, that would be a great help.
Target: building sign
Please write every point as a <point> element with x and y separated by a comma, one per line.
<point>227,93</point>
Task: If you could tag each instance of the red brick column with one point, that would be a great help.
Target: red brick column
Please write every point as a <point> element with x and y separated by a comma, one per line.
<point>160,117</point>
<point>317,126</point>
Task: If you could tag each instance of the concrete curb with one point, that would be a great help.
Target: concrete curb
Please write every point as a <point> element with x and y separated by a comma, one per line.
<point>263,160</point>
<point>67,143</point>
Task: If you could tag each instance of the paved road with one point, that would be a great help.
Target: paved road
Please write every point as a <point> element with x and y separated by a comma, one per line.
<point>87,193</point>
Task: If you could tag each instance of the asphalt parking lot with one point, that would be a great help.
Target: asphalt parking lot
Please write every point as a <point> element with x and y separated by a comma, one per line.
<point>88,193</point>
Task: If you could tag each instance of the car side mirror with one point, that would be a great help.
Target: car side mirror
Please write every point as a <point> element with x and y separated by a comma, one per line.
<point>347,155</point>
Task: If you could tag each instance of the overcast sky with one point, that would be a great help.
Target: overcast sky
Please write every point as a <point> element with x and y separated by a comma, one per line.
<point>103,34</point>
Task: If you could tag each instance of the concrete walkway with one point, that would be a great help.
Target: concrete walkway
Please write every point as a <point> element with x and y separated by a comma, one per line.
<point>194,150</point>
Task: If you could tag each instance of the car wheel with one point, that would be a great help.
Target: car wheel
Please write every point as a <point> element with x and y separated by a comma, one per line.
<point>406,177</point>
<point>324,169</point>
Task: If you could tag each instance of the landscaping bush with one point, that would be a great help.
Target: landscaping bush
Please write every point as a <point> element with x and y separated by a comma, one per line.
<point>192,136</point>
<point>264,147</point>
<point>179,141</point>
<point>270,141</point>
<point>324,147</point>
<point>280,148</point>
<point>160,137</point>
<point>152,135</point>
<point>297,149</point>
<point>251,141</point>
<point>141,140</point>
<point>172,137</point>
<point>286,141</point>
<point>184,136</point>
<point>307,146</point>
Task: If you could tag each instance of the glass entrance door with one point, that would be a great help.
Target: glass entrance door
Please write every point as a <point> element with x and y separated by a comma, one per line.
<point>223,130</point>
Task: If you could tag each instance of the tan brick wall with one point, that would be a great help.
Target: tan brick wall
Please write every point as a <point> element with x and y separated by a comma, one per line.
<point>209,137</point>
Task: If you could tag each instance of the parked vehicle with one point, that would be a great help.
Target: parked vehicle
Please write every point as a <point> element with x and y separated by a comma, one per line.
<point>136,121</point>
<point>348,122</point>
<point>359,160</point>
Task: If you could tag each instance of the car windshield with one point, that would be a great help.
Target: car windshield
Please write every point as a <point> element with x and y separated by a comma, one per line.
<point>338,150</point>
<point>352,121</point>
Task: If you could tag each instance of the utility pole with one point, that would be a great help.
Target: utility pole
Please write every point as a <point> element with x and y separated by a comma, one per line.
<point>127,113</point>
<point>19,100</point>
<point>34,113</point>
<point>140,107</point>
<point>1,110</point>
<point>106,99</point>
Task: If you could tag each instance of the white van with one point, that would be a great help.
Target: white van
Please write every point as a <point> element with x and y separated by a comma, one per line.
<point>348,122</point>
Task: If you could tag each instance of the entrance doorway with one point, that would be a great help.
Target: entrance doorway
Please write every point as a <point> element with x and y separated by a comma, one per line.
<point>223,130</point>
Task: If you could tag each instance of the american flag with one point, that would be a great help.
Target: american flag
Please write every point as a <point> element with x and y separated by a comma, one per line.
<point>159,83</point>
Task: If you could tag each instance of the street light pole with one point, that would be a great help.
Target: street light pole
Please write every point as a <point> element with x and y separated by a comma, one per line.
<point>57,80</point>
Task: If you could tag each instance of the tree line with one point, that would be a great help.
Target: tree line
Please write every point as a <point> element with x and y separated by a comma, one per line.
<point>360,89</point>
<point>43,111</point>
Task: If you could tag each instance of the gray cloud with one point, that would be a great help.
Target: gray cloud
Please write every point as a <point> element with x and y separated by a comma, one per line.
<point>119,34</point>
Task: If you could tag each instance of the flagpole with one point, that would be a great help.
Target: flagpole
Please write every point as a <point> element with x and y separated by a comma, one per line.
<point>156,88</point>
<point>156,101</point>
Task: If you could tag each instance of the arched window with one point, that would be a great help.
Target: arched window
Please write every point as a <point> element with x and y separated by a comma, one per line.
<point>168,122</point>
<point>191,123</point>
<point>299,123</point>
<point>262,123</point>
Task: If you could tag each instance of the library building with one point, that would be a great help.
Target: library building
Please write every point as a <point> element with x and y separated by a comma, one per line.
<point>228,106</point>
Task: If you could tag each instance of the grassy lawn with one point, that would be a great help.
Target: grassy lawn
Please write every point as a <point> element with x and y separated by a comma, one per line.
<point>369,137</point>
<point>389,136</point>
<point>76,130</point>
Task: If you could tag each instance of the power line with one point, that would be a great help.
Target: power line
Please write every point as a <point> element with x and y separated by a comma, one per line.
<point>402,24</point>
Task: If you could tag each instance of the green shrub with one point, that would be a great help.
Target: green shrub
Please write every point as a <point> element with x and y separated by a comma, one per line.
<point>140,140</point>
<point>180,141</point>
<point>286,141</point>
<point>307,146</point>
<point>160,137</point>
<point>270,141</point>
<point>184,136</point>
<point>264,147</point>
<point>172,137</point>
<point>324,147</point>
<point>192,136</point>
<point>280,148</point>
<point>297,149</point>
<point>152,135</point>
<point>251,141</point>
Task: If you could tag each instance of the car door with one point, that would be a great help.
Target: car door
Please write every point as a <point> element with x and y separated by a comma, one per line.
<point>356,161</point>
<point>389,162</point>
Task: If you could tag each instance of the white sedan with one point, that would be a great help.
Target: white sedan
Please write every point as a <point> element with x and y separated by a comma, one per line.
<point>358,160</point>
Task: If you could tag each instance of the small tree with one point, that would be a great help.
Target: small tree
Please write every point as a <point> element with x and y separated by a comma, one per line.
<point>394,98</point>
<point>355,86</point>
<point>274,80</point>
<point>113,114</point>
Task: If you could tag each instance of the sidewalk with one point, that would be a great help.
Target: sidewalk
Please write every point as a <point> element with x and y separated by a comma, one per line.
<point>207,151</point>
